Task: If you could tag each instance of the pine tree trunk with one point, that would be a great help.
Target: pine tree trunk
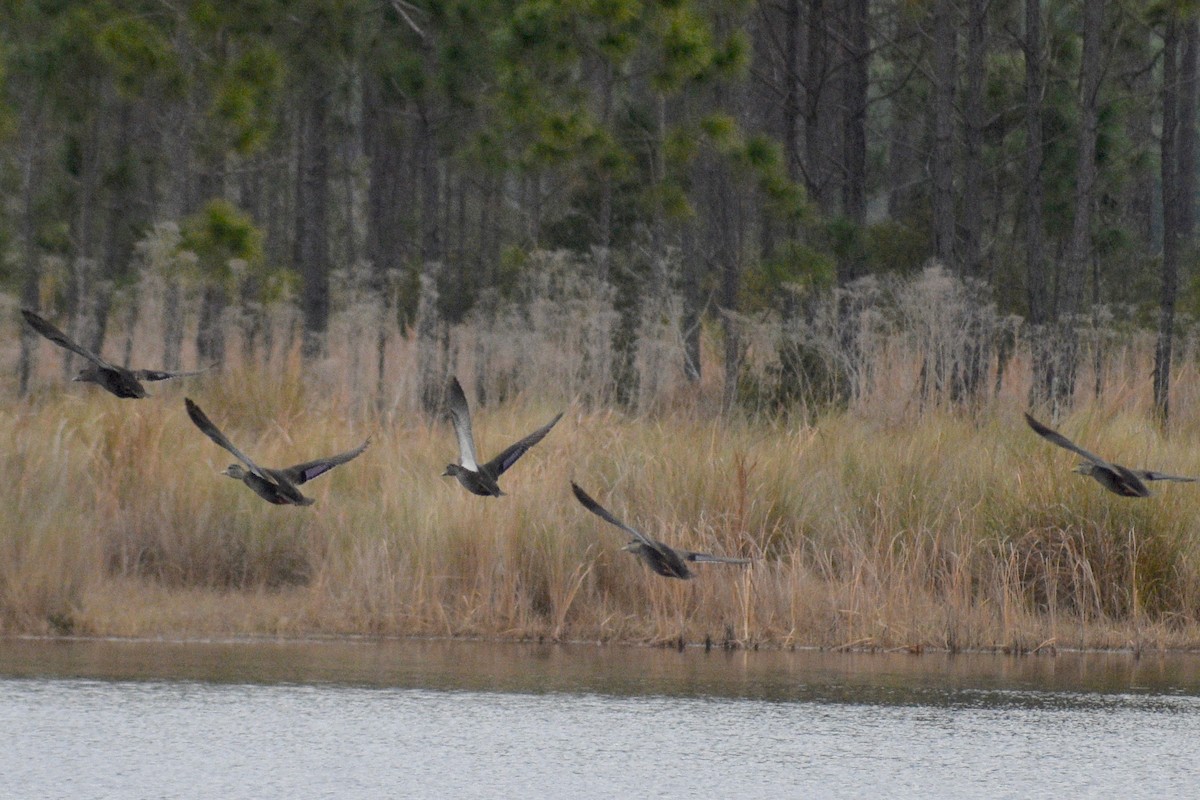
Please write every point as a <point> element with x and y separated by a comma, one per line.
<point>820,129</point>
<point>384,247</point>
<point>1138,199</point>
<point>1171,220</point>
<point>969,377</point>
<point>945,75</point>
<point>431,369</point>
<point>30,172</point>
<point>693,303</point>
<point>973,114</point>
<point>854,103</point>
<point>1079,248</point>
<point>210,334</point>
<point>312,218</point>
<point>793,59</point>
<point>901,137</point>
<point>1036,267</point>
<point>1186,149</point>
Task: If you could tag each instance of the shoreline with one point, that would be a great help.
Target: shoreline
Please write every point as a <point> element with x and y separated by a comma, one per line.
<point>364,638</point>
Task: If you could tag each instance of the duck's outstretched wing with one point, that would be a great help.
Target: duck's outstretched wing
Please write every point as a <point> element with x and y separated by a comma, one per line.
<point>164,375</point>
<point>211,431</point>
<point>52,333</point>
<point>1057,438</point>
<point>302,473</point>
<point>1151,475</point>
<point>509,456</point>
<point>460,415</point>
<point>710,559</point>
<point>600,511</point>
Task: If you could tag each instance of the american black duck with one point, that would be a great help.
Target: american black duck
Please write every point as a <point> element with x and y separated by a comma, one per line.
<point>660,557</point>
<point>1114,477</point>
<point>122,382</point>
<point>276,486</point>
<point>476,478</point>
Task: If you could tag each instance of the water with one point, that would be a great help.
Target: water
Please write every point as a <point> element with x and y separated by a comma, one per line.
<point>117,719</point>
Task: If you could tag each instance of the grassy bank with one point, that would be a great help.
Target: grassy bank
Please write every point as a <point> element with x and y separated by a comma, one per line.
<point>867,529</point>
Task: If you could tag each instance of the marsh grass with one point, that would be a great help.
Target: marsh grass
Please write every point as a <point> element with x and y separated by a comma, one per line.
<point>896,523</point>
<point>942,532</point>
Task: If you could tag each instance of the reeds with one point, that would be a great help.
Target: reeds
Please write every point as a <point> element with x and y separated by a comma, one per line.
<point>943,533</point>
<point>898,523</point>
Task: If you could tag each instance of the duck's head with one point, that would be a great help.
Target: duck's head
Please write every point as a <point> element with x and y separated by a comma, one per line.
<point>454,471</point>
<point>1084,468</point>
<point>234,471</point>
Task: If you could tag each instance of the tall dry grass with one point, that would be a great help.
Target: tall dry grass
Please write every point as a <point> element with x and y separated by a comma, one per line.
<point>891,524</point>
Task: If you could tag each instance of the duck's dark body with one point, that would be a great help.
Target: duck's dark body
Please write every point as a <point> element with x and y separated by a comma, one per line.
<point>661,558</point>
<point>120,382</point>
<point>278,490</point>
<point>480,483</point>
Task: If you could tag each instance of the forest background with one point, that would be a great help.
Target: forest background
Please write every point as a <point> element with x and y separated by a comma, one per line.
<point>750,226</point>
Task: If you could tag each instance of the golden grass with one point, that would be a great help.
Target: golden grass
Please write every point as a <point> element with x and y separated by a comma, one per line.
<point>891,525</point>
<point>873,528</point>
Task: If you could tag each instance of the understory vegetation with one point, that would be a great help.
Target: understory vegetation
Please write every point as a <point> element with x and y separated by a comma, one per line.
<point>888,520</point>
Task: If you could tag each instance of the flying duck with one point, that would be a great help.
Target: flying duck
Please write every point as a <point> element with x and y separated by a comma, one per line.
<point>118,380</point>
<point>476,478</point>
<point>276,486</point>
<point>1114,477</point>
<point>660,557</point>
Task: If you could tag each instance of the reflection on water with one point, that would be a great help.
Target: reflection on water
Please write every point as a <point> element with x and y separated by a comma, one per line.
<point>890,679</point>
<point>460,719</point>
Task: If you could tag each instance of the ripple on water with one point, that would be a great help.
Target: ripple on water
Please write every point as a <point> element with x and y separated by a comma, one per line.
<point>402,721</point>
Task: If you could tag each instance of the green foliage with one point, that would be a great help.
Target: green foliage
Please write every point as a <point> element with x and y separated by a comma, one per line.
<point>244,98</point>
<point>220,234</point>
<point>63,57</point>
<point>670,199</point>
<point>722,130</point>
<point>566,97</point>
<point>732,58</point>
<point>758,156</point>
<point>793,264</point>
<point>563,135</point>
<point>785,197</point>
<point>686,48</point>
<point>681,146</point>
<point>762,153</point>
<point>137,53</point>
<point>618,21</point>
<point>611,158</point>
<point>895,247</point>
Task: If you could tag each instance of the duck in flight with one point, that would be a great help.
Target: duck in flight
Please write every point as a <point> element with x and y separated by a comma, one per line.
<point>479,478</point>
<point>276,486</point>
<point>1114,477</point>
<point>660,557</point>
<point>118,380</point>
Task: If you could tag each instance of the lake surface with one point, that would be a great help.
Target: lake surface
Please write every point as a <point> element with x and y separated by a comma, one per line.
<point>367,719</point>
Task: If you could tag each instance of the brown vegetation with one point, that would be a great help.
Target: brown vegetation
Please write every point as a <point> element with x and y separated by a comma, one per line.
<point>890,524</point>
